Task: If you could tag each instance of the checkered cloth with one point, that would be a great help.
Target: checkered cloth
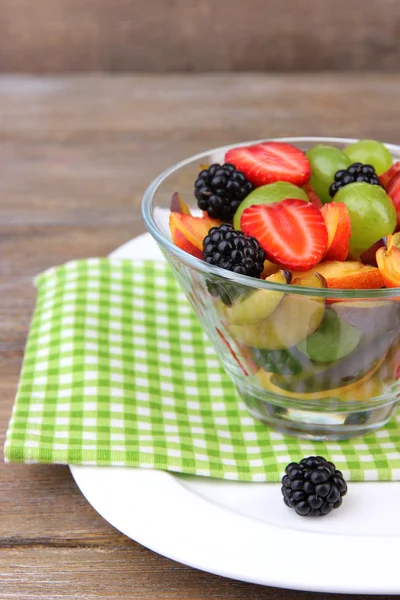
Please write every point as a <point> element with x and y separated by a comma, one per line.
<point>118,371</point>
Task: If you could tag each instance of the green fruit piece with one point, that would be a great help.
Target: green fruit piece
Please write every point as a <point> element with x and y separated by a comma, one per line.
<point>255,306</point>
<point>295,318</point>
<point>333,339</point>
<point>372,214</point>
<point>325,161</point>
<point>370,152</point>
<point>266,194</point>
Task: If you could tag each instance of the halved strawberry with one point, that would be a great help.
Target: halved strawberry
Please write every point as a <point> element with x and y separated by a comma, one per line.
<point>271,161</point>
<point>393,190</point>
<point>291,232</point>
<point>338,224</point>
<point>312,196</point>
<point>389,174</point>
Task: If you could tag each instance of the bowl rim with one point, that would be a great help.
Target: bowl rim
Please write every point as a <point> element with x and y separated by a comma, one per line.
<point>199,265</point>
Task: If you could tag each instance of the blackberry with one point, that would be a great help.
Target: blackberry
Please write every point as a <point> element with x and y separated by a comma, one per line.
<point>229,249</point>
<point>357,172</point>
<point>313,487</point>
<point>220,189</point>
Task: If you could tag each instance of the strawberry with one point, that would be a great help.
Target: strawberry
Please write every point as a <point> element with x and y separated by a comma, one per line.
<point>338,225</point>
<point>389,174</point>
<point>291,232</point>
<point>393,190</point>
<point>312,196</point>
<point>271,161</point>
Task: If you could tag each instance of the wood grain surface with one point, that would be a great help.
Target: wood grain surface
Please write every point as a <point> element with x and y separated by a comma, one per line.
<point>51,36</point>
<point>76,154</point>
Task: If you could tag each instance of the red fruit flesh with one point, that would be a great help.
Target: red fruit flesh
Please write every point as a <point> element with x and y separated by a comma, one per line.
<point>312,196</point>
<point>338,225</point>
<point>389,174</point>
<point>271,161</point>
<point>291,232</point>
<point>393,190</point>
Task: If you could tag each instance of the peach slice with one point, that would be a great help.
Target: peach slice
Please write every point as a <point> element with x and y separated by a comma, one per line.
<point>389,174</point>
<point>256,306</point>
<point>179,240</point>
<point>349,275</point>
<point>312,196</point>
<point>178,205</point>
<point>310,279</point>
<point>338,224</point>
<point>193,229</point>
<point>388,260</point>
<point>393,191</point>
<point>393,241</point>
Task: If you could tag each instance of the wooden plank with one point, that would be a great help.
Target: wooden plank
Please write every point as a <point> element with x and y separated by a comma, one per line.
<point>50,36</point>
<point>134,573</point>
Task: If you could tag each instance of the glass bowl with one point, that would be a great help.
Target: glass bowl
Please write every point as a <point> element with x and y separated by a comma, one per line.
<point>258,329</point>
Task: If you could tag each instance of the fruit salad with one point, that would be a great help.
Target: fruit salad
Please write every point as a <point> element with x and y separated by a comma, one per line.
<point>327,218</point>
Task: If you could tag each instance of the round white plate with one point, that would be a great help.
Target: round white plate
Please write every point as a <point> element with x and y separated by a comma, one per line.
<point>244,530</point>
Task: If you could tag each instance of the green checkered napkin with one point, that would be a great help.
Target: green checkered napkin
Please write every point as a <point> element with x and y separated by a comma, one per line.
<point>118,371</point>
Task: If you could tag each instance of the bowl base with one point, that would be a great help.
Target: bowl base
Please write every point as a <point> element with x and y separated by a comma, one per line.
<point>317,425</point>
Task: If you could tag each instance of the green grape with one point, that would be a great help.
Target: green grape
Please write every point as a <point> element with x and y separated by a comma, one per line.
<point>370,152</point>
<point>325,161</point>
<point>266,194</point>
<point>333,339</point>
<point>372,214</point>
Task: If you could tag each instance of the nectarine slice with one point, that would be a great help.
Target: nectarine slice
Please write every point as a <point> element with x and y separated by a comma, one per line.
<point>256,306</point>
<point>389,174</point>
<point>338,224</point>
<point>312,195</point>
<point>194,229</point>
<point>178,205</point>
<point>349,275</point>
<point>179,240</point>
<point>389,265</point>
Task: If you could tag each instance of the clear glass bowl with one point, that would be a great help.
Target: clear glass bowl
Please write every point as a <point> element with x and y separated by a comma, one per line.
<point>264,355</point>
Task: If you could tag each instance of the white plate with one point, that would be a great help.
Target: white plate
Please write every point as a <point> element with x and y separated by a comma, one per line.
<point>244,530</point>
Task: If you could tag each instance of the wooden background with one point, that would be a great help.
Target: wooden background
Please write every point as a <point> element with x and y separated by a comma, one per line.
<point>76,154</point>
<point>52,36</point>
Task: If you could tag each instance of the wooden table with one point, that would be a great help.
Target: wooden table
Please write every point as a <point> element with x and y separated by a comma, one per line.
<point>75,156</point>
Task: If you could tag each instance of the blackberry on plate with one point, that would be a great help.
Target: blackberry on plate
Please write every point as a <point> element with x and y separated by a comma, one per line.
<point>357,172</point>
<point>313,487</point>
<point>220,189</point>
